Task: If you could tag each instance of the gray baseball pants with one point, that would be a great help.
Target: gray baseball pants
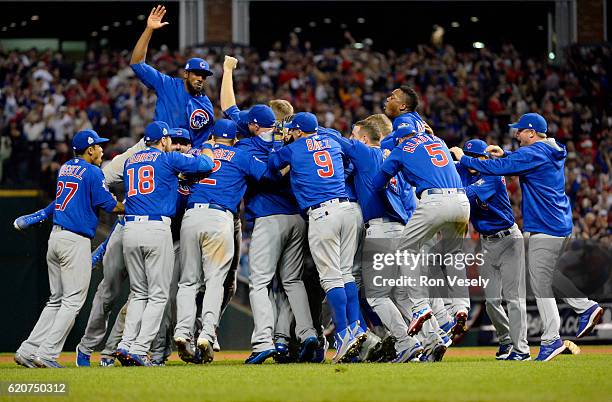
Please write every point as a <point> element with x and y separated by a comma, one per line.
<point>504,266</point>
<point>148,253</point>
<point>277,245</point>
<point>207,250</point>
<point>69,265</point>
<point>543,254</point>
<point>115,273</point>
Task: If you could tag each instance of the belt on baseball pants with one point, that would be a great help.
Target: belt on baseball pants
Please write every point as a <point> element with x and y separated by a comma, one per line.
<point>146,218</point>
<point>211,206</point>
<point>499,235</point>
<point>444,191</point>
<point>328,202</point>
<point>59,228</point>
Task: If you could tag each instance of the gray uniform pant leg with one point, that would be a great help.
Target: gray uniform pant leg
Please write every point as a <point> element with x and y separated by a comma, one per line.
<point>161,347</point>
<point>148,253</point>
<point>331,236</point>
<point>283,316</point>
<point>229,285</point>
<point>69,263</point>
<point>116,333</point>
<point>543,254</point>
<point>107,292</point>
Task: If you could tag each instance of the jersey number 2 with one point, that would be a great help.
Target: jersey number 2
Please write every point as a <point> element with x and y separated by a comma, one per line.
<point>212,182</point>
<point>72,189</point>
<point>323,160</point>
<point>438,157</point>
<point>146,181</point>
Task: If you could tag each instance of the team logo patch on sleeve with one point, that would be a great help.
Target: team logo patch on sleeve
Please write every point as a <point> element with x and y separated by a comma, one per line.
<point>198,119</point>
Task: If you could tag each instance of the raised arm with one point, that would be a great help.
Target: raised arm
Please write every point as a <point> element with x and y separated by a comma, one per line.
<point>139,54</point>
<point>228,99</point>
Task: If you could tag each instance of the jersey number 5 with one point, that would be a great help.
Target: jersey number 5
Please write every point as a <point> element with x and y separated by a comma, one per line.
<point>146,181</point>
<point>323,160</point>
<point>72,187</point>
<point>438,157</point>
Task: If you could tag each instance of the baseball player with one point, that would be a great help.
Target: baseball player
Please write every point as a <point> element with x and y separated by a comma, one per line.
<point>503,251</point>
<point>547,219</point>
<point>425,163</point>
<point>81,191</point>
<point>180,102</point>
<point>317,180</point>
<point>207,236</point>
<point>151,185</point>
<point>385,218</point>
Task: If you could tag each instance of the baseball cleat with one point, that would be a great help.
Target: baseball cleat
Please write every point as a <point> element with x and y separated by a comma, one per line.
<point>588,320</point>
<point>357,332</point>
<point>548,352</point>
<point>205,346</point>
<point>46,363</point>
<point>460,327</point>
<point>140,360</point>
<point>260,357</point>
<point>346,346</point>
<point>282,353</point>
<point>504,351</point>
<point>308,349</point>
<point>216,346</point>
<point>435,354</point>
<point>185,349</point>
<point>24,361</point>
<point>371,349</point>
<point>107,362</point>
<point>387,349</point>
<point>158,363</point>
<point>25,221</point>
<point>321,351</point>
<point>409,355</point>
<point>82,359</point>
<point>515,356</point>
<point>123,356</point>
<point>418,319</point>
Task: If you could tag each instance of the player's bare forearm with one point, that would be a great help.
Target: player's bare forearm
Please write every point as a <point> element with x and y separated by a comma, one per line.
<point>228,98</point>
<point>139,54</point>
<point>119,208</point>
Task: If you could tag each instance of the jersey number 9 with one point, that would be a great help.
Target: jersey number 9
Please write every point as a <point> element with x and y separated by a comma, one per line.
<point>146,181</point>
<point>323,159</point>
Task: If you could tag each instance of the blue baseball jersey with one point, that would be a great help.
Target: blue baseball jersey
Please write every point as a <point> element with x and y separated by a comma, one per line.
<point>425,162</point>
<point>540,167</point>
<point>490,209</point>
<point>266,197</point>
<point>374,203</point>
<point>80,191</point>
<point>413,117</point>
<point>317,169</point>
<point>151,180</point>
<point>227,183</point>
<point>405,190</point>
<point>176,106</point>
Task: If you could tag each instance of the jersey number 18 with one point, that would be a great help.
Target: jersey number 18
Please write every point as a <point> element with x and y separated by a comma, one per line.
<point>146,181</point>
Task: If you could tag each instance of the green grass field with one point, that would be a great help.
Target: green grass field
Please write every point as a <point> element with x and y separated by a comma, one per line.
<point>466,374</point>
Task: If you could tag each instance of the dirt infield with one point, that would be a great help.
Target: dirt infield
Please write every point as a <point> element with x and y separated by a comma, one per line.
<point>483,351</point>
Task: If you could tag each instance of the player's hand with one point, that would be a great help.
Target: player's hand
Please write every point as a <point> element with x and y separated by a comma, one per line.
<point>495,150</point>
<point>210,142</point>
<point>230,63</point>
<point>428,129</point>
<point>457,152</point>
<point>155,18</point>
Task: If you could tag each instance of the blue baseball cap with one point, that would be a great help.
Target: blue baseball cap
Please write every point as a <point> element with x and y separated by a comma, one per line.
<point>531,120</point>
<point>224,128</point>
<point>156,131</point>
<point>198,64</point>
<point>307,122</point>
<point>261,115</point>
<point>405,129</point>
<point>180,133</point>
<point>86,138</point>
<point>475,148</point>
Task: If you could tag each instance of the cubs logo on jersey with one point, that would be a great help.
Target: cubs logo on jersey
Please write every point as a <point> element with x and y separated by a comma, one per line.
<point>198,119</point>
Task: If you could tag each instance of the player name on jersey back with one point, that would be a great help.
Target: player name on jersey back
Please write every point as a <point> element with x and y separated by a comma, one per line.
<point>75,171</point>
<point>143,157</point>
<point>224,154</point>
<point>317,145</point>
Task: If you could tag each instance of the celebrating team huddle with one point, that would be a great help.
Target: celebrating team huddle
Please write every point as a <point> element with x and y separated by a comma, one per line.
<point>308,190</point>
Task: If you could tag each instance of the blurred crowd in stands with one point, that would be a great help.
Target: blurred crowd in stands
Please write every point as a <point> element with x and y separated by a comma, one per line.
<point>46,98</point>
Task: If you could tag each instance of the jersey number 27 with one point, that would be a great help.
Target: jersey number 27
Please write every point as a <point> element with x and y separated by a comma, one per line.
<point>145,179</point>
